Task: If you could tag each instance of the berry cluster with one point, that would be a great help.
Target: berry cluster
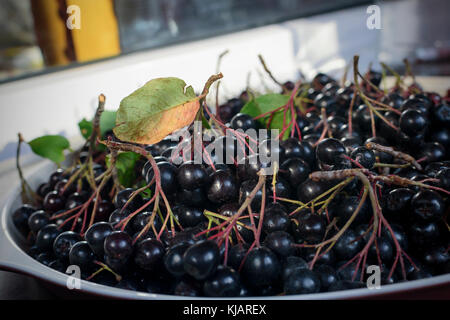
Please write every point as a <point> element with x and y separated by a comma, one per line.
<point>363,179</point>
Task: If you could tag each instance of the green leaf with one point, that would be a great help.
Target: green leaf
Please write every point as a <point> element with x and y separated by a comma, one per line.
<point>266,103</point>
<point>125,164</point>
<point>51,147</point>
<point>205,122</point>
<point>107,123</point>
<point>85,128</point>
<point>155,110</point>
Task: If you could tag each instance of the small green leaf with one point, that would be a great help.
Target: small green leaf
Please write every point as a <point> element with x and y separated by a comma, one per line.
<point>266,103</point>
<point>85,128</point>
<point>205,122</point>
<point>51,147</point>
<point>125,164</point>
<point>107,123</point>
<point>155,110</point>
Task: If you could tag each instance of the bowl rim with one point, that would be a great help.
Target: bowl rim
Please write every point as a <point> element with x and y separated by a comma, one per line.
<point>14,258</point>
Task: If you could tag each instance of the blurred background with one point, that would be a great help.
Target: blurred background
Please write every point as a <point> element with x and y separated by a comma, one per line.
<point>57,56</point>
<point>34,37</point>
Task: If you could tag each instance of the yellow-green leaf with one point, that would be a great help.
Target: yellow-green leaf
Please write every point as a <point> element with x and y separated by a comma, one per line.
<point>155,110</point>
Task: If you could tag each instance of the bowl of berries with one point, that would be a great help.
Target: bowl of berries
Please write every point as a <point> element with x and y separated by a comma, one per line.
<point>323,190</point>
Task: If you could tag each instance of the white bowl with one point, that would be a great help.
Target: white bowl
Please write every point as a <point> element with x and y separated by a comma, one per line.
<point>14,258</point>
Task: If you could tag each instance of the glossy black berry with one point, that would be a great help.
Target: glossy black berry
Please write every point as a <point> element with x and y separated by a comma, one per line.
<point>38,220</point>
<point>118,245</point>
<point>261,268</point>
<point>196,197</point>
<point>280,242</point>
<point>124,195</point>
<point>444,178</point>
<point>432,152</point>
<point>347,207</point>
<point>327,276</point>
<point>413,122</point>
<point>43,189</point>
<point>427,205</point>
<point>53,202</point>
<point>173,259</point>
<point>74,200</point>
<point>310,189</point>
<point>55,177</point>
<point>293,148</point>
<point>149,254</point>
<point>20,218</point>
<point>364,157</point>
<point>224,283</point>
<point>328,258</point>
<point>250,167</point>
<point>82,255</point>
<point>424,234</point>
<point>223,187</point>
<point>398,202</point>
<point>63,243</point>
<point>295,170</point>
<point>46,236</point>
<point>95,236</point>
<point>330,151</point>
<point>242,121</point>
<point>311,228</point>
<point>302,282</point>
<point>348,245</point>
<point>140,221</point>
<point>292,264</point>
<point>282,188</point>
<point>275,220</point>
<point>383,249</point>
<point>201,259</point>
<point>191,176</point>
<point>46,258</point>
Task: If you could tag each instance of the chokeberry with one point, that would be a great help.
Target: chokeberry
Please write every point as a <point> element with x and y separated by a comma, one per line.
<point>223,187</point>
<point>53,202</point>
<point>364,157</point>
<point>280,242</point>
<point>118,245</point>
<point>302,282</point>
<point>149,254</point>
<point>261,268</point>
<point>191,176</point>
<point>82,255</point>
<point>295,170</point>
<point>38,220</point>
<point>224,283</point>
<point>330,151</point>
<point>46,236</point>
<point>63,243</point>
<point>20,217</point>
<point>201,259</point>
<point>242,121</point>
<point>427,205</point>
